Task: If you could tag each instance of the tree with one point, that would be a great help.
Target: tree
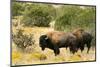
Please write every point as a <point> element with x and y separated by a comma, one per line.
<point>38,15</point>
<point>65,16</point>
<point>71,17</point>
<point>17,8</point>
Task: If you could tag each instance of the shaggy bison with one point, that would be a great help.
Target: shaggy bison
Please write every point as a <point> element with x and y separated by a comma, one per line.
<point>83,38</point>
<point>55,40</point>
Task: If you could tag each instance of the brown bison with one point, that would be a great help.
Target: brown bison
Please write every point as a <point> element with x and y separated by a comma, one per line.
<point>55,40</point>
<point>83,38</point>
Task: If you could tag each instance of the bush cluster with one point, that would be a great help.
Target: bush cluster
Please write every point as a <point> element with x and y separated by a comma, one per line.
<point>21,40</point>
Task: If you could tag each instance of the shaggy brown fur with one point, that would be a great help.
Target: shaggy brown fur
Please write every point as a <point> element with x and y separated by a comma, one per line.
<point>55,40</point>
<point>83,38</point>
<point>78,33</point>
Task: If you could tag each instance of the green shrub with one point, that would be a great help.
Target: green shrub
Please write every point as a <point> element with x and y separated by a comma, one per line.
<point>71,17</point>
<point>38,15</point>
<point>17,9</point>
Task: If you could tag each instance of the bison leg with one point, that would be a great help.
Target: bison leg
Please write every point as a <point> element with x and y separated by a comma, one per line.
<point>56,50</point>
<point>73,49</point>
<point>88,46</point>
<point>82,48</point>
<point>43,48</point>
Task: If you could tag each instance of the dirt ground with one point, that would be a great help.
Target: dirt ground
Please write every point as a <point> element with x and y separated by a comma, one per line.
<point>35,55</point>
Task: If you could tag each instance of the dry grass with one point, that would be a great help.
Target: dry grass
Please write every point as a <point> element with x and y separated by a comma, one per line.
<point>36,56</point>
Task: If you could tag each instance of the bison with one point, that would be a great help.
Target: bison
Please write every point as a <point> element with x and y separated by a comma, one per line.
<point>83,38</point>
<point>55,40</point>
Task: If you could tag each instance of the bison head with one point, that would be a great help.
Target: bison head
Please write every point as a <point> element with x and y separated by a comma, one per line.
<point>43,41</point>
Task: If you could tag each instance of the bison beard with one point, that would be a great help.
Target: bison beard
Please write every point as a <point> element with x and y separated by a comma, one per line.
<point>56,40</point>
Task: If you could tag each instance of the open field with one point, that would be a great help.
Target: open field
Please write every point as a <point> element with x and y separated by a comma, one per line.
<point>34,54</point>
<point>31,20</point>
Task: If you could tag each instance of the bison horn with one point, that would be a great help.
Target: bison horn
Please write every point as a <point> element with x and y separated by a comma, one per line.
<point>46,38</point>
